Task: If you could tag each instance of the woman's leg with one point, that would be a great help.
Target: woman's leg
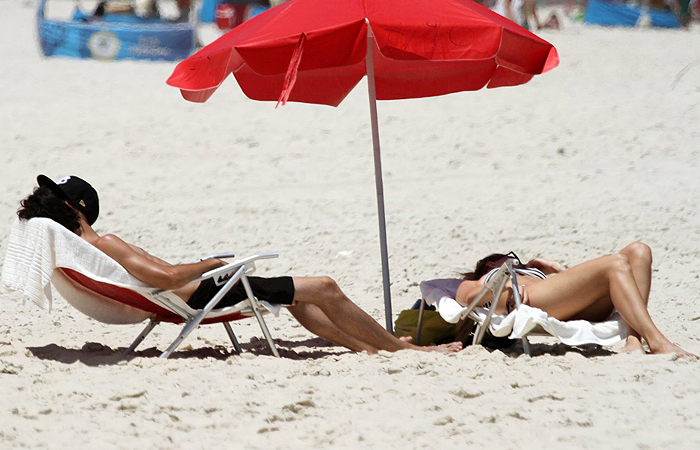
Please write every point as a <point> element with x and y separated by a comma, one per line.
<point>639,256</point>
<point>590,290</point>
<point>640,259</point>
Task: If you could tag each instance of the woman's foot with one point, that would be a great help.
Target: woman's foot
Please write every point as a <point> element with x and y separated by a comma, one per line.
<point>669,347</point>
<point>633,345</point>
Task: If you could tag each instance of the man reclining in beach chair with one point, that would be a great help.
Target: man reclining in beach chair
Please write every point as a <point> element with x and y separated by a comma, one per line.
<point>545,295</point>
<point>316,302</point>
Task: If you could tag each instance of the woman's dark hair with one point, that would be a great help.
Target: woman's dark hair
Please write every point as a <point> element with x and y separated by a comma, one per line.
<point>44,203</point>
<point>493,261</point>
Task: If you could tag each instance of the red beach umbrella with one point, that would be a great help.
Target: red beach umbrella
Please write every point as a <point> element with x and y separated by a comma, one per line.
<point>316,51</point>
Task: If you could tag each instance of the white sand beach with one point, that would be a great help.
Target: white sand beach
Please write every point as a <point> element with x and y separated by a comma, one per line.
<point>602,151</point>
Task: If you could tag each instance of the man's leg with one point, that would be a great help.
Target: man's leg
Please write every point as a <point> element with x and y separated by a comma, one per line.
<point>349,319</point>
<point>313,319</point>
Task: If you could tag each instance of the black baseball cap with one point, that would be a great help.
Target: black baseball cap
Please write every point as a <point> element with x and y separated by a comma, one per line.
<point>77,191</point>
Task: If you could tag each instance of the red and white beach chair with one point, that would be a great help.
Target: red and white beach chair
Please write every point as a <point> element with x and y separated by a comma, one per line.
<point>42,253</point>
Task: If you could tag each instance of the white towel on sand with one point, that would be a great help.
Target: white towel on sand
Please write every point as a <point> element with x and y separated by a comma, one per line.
<point>519,323</point>
<point>38,246</point>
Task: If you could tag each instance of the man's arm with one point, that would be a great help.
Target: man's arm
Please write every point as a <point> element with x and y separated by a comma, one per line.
<point>146,255</point>
<point>157,274</point>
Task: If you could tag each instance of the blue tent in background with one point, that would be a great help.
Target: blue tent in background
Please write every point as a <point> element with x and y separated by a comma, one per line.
<point>113,37</point>
<point>612,13</point>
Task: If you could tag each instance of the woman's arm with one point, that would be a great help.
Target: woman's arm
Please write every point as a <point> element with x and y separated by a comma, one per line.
<point>468,291</point>
<point>156,274</point>
<point>546,266</point>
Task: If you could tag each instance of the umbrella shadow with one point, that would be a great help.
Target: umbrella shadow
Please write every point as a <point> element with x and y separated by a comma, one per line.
<point>94,354</point>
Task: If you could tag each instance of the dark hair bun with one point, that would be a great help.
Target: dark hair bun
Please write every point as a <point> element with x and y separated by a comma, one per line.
<point>45,203</point>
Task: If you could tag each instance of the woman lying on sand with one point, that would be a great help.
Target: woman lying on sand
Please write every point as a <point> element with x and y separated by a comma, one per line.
<point>589,291</point>
<point>318,303</point>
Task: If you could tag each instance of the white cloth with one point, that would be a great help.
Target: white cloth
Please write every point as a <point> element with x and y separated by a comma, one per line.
<point>441,293</point>
<point>38,246</point>
<point>520,322</point>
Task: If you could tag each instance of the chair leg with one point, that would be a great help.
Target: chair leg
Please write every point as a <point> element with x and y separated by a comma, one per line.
<point>195,321</point>
<point>526,346</point>
<point>258,315</point>
<point>231,335</point>
<point>478,335</point>
<point>149,327</point>
<point>494,304</point>
<point>180,337</point>
<point>518,302</point>
<point>420,321</point>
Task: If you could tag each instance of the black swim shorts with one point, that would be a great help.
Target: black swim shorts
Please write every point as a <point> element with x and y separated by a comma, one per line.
<point>279,290</point>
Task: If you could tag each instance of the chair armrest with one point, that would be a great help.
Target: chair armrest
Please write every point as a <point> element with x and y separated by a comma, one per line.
<point>219,256</point>
<point>234,265</point>
<point>228,268</point>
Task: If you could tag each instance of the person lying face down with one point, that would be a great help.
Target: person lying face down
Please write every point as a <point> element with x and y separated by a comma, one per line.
<point>318,303</point>
<point>589,291</point>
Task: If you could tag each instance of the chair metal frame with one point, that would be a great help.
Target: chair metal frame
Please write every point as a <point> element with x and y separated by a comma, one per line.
<point>232,273</point>
<point>496,285</point>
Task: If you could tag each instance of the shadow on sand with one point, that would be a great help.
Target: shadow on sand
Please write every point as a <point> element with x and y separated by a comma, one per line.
<point>558,349</point>
<point>95,354</point>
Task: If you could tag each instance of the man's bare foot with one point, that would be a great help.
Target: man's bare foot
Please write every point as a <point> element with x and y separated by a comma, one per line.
<point>633,345</point>
<point>452,347</point>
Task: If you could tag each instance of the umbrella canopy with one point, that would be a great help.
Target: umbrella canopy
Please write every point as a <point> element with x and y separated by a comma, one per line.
<point>425,48</point>
<point>316,51</point>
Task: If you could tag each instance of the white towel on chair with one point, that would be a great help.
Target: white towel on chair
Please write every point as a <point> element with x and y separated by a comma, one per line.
<point>38,246</point>
<point>524,320</point>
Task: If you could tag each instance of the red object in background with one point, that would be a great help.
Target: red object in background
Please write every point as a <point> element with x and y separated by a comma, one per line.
<point>230,15</point>
<point>422,48</point>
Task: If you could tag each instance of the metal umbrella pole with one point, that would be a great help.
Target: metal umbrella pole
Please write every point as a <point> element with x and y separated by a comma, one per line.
<point>378,179</point>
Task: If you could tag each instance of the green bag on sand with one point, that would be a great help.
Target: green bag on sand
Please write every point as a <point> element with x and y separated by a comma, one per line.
<point>434,329</point>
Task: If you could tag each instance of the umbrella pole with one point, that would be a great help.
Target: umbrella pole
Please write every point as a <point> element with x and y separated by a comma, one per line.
<point>369,62</point>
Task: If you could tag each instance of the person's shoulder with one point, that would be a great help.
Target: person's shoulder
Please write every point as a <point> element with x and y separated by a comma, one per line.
<point>109,238</point>
<point>472,282</point>
<point>110,242</point>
